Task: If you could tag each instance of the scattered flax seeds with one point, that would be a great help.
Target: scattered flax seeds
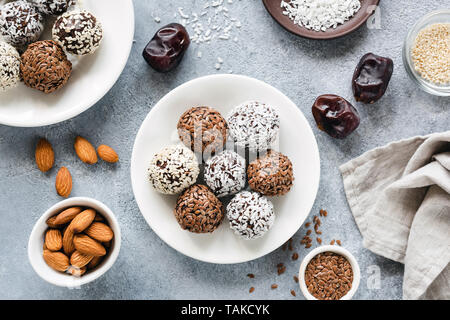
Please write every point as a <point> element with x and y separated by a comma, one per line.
<point>251,290</point>
<point>296,279</point>
<point>295,256</point>
<point>339,242</point>
<point>431,53</point>
<point>293,293</point>
<point>332,242</point>
<point>274,286</point>
<point>251,275</point>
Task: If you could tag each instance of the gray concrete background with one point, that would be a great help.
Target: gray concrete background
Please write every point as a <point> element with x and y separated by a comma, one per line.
<point>303,69</point>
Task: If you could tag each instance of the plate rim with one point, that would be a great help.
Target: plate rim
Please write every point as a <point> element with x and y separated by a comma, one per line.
<point>159,104</point>
<point>79,110</point>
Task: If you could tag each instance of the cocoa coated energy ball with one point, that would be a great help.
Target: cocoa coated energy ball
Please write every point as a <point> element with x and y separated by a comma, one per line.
<point>225,173</point>
<point>9,66</point>
<point>203,129</point>
<point>254,125</point>
<point>250,214</point>
<point>20,23</point>
<point>52,7</point>
<point>78,32</point>
<point>173,169</point>
<point>198,210</point>
<point>271,174</point>
<point>45,67</point>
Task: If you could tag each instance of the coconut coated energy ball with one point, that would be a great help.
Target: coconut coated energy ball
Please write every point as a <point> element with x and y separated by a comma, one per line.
<point>20,23</point>
<point>52,7</point>
<point>78,32</point>
<point>254,125</point>
<point>271,174</point>
<point>198,210</point>
<point>251,215</point>
<point>203,129</point>
<point>173,169</point>
<point>45,67</point>
<point>9,66</point>
<point>225,173</point>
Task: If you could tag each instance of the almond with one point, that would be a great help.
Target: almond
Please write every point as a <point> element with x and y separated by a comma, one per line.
<point>67,215</point>
<point>98,218</point>
<point>56,260</point>
<point>82,221</point>
<point>79,260</point>
<point>45,156</point>
<point>85,150</point>
<point>100,232</point>
<point>63,183</point>
<point>68,245</point>
<point>76,272</point>
<point>88,246</point>
<point>107,154</point>
<point>94,262</point>
<point>51,222</point>
<point>53,240</point>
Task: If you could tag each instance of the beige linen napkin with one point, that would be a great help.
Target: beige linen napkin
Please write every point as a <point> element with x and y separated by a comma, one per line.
<point>399,195</point>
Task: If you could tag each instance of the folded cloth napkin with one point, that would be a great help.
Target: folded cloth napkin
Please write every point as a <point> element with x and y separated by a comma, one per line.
<point>400,197</point>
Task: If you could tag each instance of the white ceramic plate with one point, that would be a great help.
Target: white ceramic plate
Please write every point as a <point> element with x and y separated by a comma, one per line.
<point>223,92</point>
<point>92,76</point>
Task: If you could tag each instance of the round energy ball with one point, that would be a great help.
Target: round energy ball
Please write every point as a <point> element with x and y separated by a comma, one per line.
<point>198,210</point>
<point>254,125</point>
<point>78,32</point>
<point>251,215</point>
<point>20,23</point>
<point>203,129</point>
<point>52,7</point>
<point>9,66</point>
<point>173,169</point>
<point>271,174</point>
<point>45,67</point>
<point>225,173</point>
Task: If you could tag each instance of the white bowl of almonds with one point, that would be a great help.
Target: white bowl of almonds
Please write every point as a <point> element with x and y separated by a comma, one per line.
<point>75,242</point>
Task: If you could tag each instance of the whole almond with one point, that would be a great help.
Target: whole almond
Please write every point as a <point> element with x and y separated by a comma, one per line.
<point>68,245</point>
<point>44,155</point>
<point>94,262</point>
<point>79,260</point>
<point>82,221</point>
<point>67,215</point>
<point>56,260</point>
<point>76,272</point>
<point>107,154</point>
<point>100,232</point>
<point>88,246</point>
<point>53,240</point>
<point>51,222</point>
<point>63,183</point>
<point>85,150</point>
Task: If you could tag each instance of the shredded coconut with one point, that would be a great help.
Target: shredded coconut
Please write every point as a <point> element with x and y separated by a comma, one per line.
<point>320,15</point>
<point>9,66</point>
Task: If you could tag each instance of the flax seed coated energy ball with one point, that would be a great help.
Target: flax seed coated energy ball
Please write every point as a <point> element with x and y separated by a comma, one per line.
<point>225,173</point>
<point>254,125</point>
<point>203,129</point>
<point>78,32</point>
<point>173,169</point>
<point>198,210</point>
<point>271,174</point>
<point>20,23</point>
<point>45,67</point>
<point>9,66</point>
<point>52,7</point>
<point>251,215</point>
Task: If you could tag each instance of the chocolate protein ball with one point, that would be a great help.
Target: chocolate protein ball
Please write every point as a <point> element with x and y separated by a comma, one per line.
<point>173,169</point>
<point>251,215</point>
<point>198,210</point>
<point>9,66</point>
<point>52,7</point>
<point>45,67</point>
<point>78,32</point>
<point>203,129</point>
<point>271,174</point>
<point>254,125</point>
<point>225,173</point>
<point>20,23</point>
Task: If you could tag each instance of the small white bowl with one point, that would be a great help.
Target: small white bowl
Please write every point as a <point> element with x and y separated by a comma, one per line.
<point>36,243</point>
<point>335,249</point>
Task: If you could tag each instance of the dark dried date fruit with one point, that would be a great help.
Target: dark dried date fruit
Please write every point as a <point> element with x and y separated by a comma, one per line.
<point>335,115</point>
<point>167,47</point>
<point>371,77</point>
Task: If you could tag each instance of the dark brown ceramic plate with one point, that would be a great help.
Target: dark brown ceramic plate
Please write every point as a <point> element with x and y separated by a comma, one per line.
<point>367,8</point>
